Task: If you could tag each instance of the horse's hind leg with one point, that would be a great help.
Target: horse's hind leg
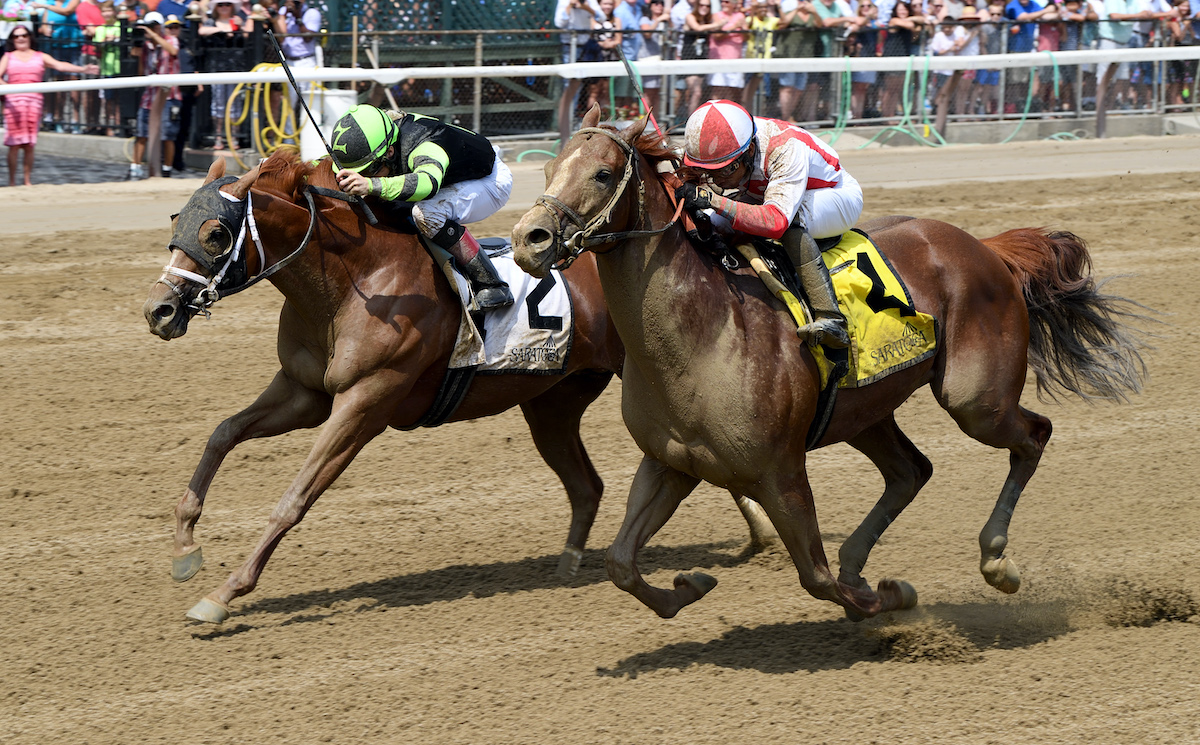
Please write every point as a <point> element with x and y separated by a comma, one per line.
<point>992,415</point>
<point>553,419</point>
<point>905,470</point>
<point>656,492</point>
<point>1025,434</point>
<point>284,406</point>
<point>762,535</point>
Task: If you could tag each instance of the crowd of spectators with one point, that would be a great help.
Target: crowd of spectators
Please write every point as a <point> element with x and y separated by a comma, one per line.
<point>150,37</point>
<point>733,29</point>
<point>155,37</point>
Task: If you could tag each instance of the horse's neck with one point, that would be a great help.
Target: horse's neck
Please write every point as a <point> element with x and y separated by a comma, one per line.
<point>657,290</point>
<point>319,280</point>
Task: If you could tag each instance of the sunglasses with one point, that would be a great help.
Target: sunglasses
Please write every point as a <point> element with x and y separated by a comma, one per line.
<point>727,170</point>
<point>19,36</point>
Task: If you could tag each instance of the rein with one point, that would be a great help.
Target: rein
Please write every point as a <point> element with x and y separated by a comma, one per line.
<point>212,290</point>
<point>585,236</point>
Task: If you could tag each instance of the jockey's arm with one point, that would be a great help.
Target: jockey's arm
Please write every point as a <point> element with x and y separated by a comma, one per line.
<point>756,219</point>
<point>786,172</point>
<point>427,167</point>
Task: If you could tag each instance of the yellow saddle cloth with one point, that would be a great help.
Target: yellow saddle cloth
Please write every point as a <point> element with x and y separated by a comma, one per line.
<point>886,332</point>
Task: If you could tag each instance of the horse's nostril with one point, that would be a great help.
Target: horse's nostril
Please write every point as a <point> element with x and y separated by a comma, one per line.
<point>539,236</point>
<point>163,312</point>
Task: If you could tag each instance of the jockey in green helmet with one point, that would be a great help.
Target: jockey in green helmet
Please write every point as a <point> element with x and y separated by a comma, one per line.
<point>451,175</point>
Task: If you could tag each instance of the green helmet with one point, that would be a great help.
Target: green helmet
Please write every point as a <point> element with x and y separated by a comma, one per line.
<point>362,136</point>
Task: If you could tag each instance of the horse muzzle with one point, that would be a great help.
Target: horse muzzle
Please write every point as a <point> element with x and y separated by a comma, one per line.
<point>166,313</point>
<point>536,246</point>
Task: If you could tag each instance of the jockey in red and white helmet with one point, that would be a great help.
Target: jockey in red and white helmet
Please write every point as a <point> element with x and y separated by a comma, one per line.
<point>784,184</point>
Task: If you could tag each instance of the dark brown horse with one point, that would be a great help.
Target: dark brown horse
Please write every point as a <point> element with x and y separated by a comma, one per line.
<point>365,335</point>
<point>717,388</point>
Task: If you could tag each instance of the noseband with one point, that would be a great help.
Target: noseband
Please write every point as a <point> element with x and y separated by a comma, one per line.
<point>585,235</point>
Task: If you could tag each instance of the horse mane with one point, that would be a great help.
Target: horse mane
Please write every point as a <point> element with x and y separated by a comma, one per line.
<point>656,147</point>
<point>285,173</point>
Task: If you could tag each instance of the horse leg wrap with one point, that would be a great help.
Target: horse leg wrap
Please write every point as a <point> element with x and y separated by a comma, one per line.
<point>489,290</point>
<point>829,325</point>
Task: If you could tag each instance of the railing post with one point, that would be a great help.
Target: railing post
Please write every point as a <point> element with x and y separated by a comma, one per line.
<point>478,103</point>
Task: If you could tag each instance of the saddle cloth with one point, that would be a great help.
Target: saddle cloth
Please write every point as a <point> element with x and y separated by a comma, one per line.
<point>533,335</point>
<point>887,333</point>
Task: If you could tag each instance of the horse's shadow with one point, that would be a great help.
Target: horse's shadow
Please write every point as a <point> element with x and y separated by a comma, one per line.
<point>942,633</point>
<point>485,580</point>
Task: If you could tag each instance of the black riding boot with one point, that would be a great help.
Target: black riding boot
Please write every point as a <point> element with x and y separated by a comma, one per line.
<point>829,325</point>
<point>489,290</point>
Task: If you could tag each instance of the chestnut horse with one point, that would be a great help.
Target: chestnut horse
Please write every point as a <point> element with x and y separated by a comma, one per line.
<point>716,387</point>
<point>366,331</point>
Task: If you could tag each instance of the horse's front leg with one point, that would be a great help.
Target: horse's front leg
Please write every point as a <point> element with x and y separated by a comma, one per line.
<point>656,492</point>
<point>357,416</point>
<point>284,406</point>
<point>791,509</point>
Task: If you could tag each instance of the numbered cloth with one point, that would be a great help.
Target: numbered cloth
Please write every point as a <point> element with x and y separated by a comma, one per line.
<point>887,333</point>
<point>533,335</point>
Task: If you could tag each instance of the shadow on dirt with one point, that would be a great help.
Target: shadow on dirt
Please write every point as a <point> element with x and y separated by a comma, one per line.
<point>485,580</point>
<point>941,633</point>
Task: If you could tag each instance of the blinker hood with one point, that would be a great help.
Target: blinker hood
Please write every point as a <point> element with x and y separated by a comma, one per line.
<point>206,204</point>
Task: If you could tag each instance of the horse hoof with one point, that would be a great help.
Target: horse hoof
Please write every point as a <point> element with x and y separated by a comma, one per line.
<point>209,611</point>
<point>898,594</point>
<point>568,562</point>
<point>185,567</point>
<point>1002,574</point>
<point>699,582</point>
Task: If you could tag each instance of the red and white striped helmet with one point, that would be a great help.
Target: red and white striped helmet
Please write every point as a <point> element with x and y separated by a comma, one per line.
<point>716,133</point>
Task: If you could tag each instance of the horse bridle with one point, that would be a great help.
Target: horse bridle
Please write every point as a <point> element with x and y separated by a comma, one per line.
<point>230,266</point>
<point>585,236</point>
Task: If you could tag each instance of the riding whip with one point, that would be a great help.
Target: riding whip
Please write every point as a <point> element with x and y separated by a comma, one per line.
<point>312,120</point>
<point>638,89</point>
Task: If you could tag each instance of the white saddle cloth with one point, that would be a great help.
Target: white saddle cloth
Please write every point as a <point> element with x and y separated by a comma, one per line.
<point>533,335</point>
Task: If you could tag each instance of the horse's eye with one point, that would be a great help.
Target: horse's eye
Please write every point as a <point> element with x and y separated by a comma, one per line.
<point>218,241</point>
<point>603,175</point>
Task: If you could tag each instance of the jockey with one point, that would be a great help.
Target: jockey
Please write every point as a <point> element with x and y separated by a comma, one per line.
<point>452,176</point>
<point>786,184</point>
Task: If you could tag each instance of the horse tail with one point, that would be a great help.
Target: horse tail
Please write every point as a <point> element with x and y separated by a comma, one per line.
<point>1080,339</point>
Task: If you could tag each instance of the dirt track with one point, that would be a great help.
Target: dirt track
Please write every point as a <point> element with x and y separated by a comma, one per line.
<point>417,602</point>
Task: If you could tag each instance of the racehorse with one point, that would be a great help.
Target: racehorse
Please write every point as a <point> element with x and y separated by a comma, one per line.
<point>716,387</point>
<point>365,334</point>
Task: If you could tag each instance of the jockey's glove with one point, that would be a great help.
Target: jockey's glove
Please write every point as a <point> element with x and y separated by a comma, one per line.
<point>694,197</point>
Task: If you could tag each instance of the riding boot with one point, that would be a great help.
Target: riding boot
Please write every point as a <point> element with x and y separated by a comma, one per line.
<point>489,290</point>
<point>829,325</point>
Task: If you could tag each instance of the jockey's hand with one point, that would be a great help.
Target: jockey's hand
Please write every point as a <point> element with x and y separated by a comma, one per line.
<point>694,197</point>
<point>353,183</point>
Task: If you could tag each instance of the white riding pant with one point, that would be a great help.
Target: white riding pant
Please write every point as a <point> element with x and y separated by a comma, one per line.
<point>832,211</point>
<point>823,212</point>
<point>465,202</point>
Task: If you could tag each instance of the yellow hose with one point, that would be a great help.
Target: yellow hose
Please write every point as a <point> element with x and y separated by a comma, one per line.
<point>272,136</point>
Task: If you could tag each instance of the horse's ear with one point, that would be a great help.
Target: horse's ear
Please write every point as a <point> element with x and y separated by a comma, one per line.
<point>634,131</point>
<point>241,187</point>
<point>215,171</point>
<point>592,118</point>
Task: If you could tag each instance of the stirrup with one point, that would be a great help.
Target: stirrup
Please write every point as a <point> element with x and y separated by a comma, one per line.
<point>829,332</point>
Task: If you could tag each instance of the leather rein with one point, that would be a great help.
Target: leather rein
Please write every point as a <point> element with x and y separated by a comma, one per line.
<point>585,235</point>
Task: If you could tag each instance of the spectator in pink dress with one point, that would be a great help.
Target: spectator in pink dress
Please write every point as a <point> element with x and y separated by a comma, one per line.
<point>726,43</point>
<point>22,63</point>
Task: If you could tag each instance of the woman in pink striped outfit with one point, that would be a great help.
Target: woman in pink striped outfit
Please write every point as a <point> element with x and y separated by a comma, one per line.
<point>21,63</point>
